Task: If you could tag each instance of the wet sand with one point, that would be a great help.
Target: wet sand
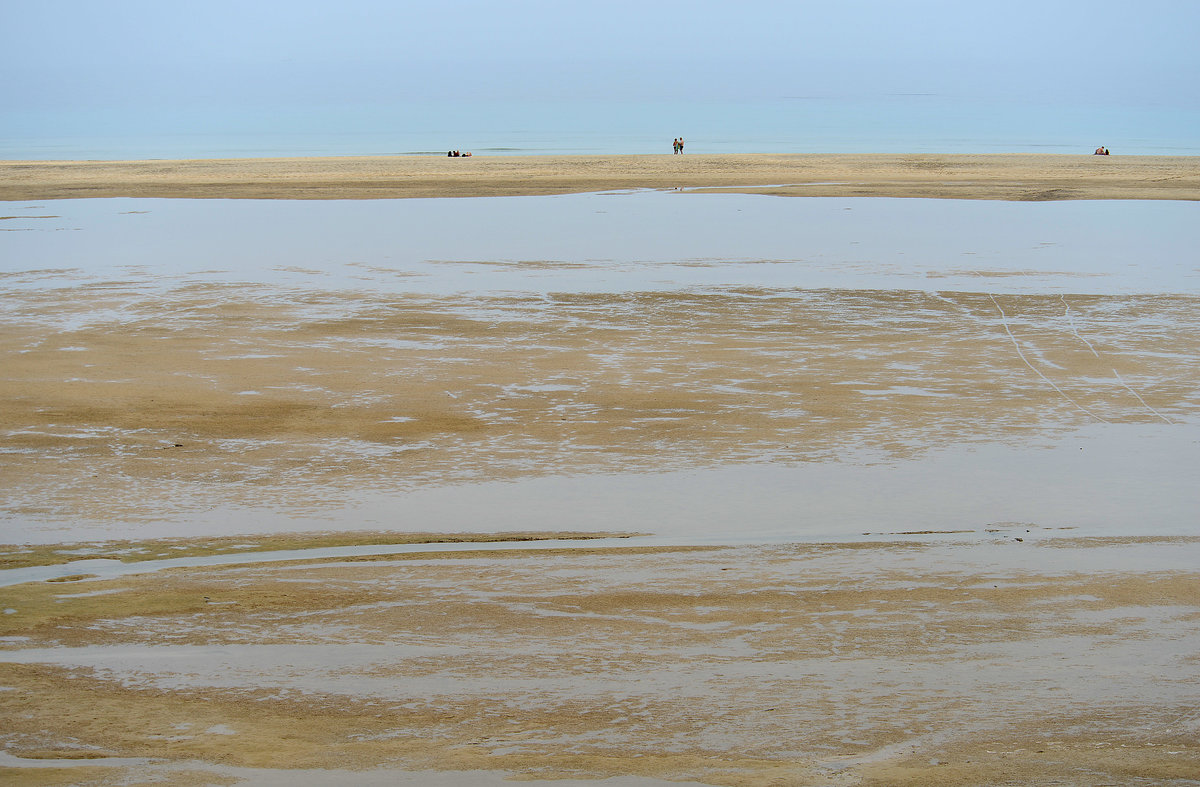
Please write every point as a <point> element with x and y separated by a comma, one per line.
<point>1003,177</point>
<point>1064,662</point>
<point>257,396</point>
<point>136,402</point>
<point>961,659</point>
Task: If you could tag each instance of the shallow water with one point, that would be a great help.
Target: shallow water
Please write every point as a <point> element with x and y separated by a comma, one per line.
<point>627,242</point>
<point>1129,477</point>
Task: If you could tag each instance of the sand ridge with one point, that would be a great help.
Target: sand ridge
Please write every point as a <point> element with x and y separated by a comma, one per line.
<point>993,176</point>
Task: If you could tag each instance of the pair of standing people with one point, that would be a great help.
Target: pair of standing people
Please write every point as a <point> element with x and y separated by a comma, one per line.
<point>678,146</point>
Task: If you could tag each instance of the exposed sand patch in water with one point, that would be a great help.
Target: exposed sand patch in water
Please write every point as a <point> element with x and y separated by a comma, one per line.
<point>122,404</point>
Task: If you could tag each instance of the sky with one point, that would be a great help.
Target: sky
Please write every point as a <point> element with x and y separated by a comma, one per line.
<point>59,54</point>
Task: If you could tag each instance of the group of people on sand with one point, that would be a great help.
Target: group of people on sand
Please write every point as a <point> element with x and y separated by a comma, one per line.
<point>678,146</point>
<point>456,154</point>
<point>1101,151</point>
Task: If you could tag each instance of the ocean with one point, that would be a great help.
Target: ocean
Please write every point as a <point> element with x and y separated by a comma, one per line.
<point>920,123</point>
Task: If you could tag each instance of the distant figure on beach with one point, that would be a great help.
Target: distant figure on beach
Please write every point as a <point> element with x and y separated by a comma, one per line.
<point>456,154</point>
<point>1101,151</point>
<point>675,145</point>
<point>681,146</point>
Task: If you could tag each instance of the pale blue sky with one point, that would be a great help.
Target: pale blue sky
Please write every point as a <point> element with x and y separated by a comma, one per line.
<point>71,53</point>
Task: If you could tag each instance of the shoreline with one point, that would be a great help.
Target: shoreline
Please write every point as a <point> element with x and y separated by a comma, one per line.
<point>1013,177</point>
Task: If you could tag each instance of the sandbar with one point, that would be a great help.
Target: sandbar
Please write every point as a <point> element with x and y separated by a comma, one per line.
<point>1000,177</point>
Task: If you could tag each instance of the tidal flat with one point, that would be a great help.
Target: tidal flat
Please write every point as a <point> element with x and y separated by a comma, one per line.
<point>882,491</point>
<point>1001,661</point>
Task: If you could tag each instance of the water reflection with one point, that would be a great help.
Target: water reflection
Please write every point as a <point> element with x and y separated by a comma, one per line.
<point>611,243</point>
<point>693,366</point>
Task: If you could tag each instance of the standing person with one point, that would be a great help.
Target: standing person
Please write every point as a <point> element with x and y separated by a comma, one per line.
<point>681,146</point>
<point>675,145</point>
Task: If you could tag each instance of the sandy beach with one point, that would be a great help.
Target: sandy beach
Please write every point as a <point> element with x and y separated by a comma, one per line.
<point>924,501</point>
<point>853,443</point>
<point>1003,177</point>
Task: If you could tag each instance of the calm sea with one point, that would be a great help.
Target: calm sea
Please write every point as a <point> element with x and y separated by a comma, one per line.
<point>885,124</point>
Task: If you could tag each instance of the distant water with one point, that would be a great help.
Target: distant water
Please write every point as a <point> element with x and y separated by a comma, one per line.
<point>885,124</point>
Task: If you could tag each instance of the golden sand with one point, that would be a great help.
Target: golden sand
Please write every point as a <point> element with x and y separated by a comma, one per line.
<point>869,664</point>
<point>989,661</point>
<point>1006,177</point>
<point>789,665</point>
<point>122,417</point>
